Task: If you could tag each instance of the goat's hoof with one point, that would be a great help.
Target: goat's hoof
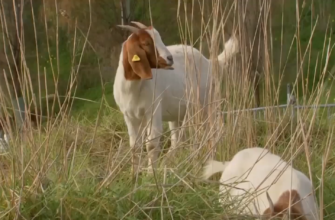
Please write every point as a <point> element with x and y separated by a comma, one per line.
<point>167,159</point>
<point>137,170</point>
<point>150,171</point>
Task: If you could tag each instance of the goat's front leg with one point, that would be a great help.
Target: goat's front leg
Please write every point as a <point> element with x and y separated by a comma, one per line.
<point>154,132</point>
<point>135,131</point>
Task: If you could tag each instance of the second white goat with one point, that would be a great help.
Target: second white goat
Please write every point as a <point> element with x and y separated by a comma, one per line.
<point>258,177</point>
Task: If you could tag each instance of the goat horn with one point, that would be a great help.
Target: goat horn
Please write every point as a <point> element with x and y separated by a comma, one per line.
<point>270,202</point>
<point>139,24</point>
<point>129,28</point>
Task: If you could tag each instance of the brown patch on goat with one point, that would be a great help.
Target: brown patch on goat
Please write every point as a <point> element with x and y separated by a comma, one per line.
<point>142,45</point>
<point>282,206</point>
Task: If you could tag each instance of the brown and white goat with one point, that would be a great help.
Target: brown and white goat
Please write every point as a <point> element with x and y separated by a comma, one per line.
<point>259,177</point>
<point>148,90</point>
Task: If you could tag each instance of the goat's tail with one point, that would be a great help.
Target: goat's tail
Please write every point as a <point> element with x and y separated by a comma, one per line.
<point>231,48</point>
<point>212,167</point>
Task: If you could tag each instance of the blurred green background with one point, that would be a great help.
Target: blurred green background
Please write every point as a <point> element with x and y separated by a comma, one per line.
<point>100,57</point>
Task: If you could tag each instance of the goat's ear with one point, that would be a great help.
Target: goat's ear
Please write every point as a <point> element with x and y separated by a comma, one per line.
<point>137,60</point>
<point>129,74</point>
<point>286,201</point>
<point>296,206</point>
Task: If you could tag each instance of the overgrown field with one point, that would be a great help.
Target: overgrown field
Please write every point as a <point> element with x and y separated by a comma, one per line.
<point>75,163</point>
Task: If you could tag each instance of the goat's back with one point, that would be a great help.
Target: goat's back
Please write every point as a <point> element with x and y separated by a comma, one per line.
<point>188,82</point>
<point>192,65</point>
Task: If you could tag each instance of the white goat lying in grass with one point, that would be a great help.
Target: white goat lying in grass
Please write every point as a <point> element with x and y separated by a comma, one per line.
<point>148,90</point>
<point>257,169</point>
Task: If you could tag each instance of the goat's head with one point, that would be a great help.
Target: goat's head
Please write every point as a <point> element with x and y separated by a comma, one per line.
<point>144,50</point>
<point>286,204</point>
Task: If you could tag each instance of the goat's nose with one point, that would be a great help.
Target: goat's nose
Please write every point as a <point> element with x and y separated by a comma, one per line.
<point>170,58</point>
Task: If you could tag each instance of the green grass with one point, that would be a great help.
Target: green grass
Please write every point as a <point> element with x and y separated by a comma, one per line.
<point>88,102</point>
<point>82,178</point>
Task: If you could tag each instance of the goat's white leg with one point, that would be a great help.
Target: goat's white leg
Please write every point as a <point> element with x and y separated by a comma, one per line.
<point>176,136</point>
<point>135,140</point>
<point>154,132</point>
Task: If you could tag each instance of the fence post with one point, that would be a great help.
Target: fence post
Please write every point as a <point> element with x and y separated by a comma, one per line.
<point>288,93</point>
<point>291,101</point>
<point>19,112</point>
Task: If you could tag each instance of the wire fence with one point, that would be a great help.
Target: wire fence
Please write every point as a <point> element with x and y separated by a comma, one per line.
<point>291,105</point>
<point>258,112</point>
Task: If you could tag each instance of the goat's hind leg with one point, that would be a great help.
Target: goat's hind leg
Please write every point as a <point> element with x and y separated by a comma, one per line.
<point>176,137</point>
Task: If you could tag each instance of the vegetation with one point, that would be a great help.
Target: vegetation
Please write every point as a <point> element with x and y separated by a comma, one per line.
<point>75,164</point>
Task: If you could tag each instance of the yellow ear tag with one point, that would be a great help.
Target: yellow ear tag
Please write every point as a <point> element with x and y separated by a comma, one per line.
<point>135,58</point>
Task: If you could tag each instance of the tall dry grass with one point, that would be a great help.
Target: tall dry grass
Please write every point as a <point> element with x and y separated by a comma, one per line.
<point>68,167</point>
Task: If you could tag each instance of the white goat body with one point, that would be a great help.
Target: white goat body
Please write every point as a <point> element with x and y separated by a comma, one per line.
<point>167,88</point>
<point>162,98</point>
<point>257,170</point>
